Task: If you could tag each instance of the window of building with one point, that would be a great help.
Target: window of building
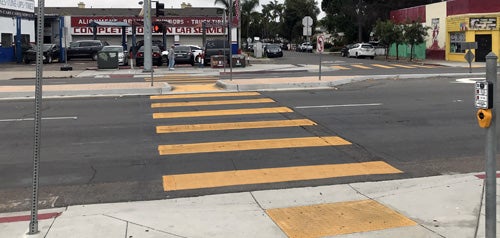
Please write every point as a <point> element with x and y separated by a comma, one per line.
<point>6,40</point>
<point>456,40</point>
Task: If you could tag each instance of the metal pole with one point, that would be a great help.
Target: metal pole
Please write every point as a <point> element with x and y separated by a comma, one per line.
<point>33,229</point>
<point>230,29</point>
<point>320,59</point>
<point>147,37</point>
<point>491,143</point>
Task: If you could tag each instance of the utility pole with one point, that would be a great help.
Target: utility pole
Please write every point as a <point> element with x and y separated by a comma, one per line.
<point>148,54</point>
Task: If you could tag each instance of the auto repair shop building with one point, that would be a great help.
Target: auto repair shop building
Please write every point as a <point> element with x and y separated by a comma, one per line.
<point>17,18</point>
<point>183,26</point>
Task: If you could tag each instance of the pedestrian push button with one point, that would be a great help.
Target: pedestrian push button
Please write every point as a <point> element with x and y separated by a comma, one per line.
<point>484,117</point>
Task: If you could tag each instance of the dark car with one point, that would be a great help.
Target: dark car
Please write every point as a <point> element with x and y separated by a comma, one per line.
<point>85,49</point>
<point>216,47</point>
<point>51,52</point>
<point>344,52</point>
<point>156,54</point>
<point>273,51</point>
<point>184,55</point>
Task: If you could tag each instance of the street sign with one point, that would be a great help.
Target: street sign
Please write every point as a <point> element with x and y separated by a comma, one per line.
<point>307,21</point>
<point>483,95</point>
<point>307,31</point>
<point>469,56</point>
<point>320,44</point>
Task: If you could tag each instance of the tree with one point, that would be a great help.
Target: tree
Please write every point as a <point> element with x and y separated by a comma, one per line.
<point>247,15</point>
<point>414,34</point>
<point>355,17</point>
<point>295,11</point>
<point>388,33</point>
<point>273,15</point>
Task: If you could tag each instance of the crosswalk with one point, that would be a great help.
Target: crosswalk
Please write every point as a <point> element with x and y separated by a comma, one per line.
<point>383,66</point>
<point>283,149</point>
<point>176,79</point>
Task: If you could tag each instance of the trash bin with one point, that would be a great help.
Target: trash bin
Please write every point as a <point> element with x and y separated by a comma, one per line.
<point>218,61</point>
<point>107,60</point>
<point>239,61</point>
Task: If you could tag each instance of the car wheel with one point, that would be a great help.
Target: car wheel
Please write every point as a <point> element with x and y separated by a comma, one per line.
<point>94,56</point>
<point>372,57</point>
<point>357,55</point>
<point>197,60</point>
<point>164,58</point>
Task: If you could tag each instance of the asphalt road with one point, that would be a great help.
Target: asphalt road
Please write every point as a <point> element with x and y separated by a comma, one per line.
<point>107,149</point>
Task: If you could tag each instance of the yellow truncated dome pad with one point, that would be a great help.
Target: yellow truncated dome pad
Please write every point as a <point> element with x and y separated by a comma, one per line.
<point>337,219</point>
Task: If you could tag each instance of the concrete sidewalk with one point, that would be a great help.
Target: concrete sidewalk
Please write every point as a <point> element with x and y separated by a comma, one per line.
<point>448,206</point>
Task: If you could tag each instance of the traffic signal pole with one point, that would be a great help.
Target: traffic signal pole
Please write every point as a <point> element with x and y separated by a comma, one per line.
<point>148,54</point>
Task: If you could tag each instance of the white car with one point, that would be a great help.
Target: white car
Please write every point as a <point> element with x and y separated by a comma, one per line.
<point>362,50</point>
<point>196,50</point>
<point>122,54</point>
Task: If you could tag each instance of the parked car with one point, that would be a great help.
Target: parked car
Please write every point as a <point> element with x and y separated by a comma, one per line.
<point>197,52</point>
<point>156,54</point>
<point>122,54</point>
<point>183,55</point>
<point>344,52</point>
<point>273,51</point>
<point>216,47</point>
<point>362,50</point>
<point>85,49</point>
<point>51,52</point>
<point>305,47</point>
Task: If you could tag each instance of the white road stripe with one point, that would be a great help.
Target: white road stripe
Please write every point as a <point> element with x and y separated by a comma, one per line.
<point>344,105</point>
<point>43,118</point>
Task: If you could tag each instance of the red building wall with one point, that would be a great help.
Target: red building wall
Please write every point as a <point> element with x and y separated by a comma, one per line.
<point>457,7</point>
<point>401,16</point>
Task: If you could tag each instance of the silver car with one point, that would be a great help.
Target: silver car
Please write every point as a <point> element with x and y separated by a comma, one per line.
<point>122,54</point>
<point>362,50</point>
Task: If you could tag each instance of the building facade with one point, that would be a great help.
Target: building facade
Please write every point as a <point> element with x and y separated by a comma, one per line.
<point>455,26</point>
<point>17,28</point>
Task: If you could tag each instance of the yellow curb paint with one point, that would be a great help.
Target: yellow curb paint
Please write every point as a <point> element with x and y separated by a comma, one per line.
<point>209,103</point>
<point>361,66</point>
<point>383,66</point>
<point>403,66</point>
<point>164,115</point>
<point>273,175</point>
<point>337,219</point>
<point>224,146</point>
<point>427,66</point>
<point>233,126</point>
<point>203,95</point>
<point>339,67</point>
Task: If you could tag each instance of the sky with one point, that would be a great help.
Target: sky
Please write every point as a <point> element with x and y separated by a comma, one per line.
<point>135,3</point>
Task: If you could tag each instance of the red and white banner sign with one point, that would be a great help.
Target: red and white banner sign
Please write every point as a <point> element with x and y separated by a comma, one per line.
<point>175,25</point>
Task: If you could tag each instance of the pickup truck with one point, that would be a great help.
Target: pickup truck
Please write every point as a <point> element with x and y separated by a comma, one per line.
<point>216,47</point>
<point>305,47</point>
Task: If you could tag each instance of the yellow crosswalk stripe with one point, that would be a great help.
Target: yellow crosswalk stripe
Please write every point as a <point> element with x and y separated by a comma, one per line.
<point>224,146</point>
<point>339,67</point>
<point>273,175</point>
<point>233,126</point>
<point>203,95</point>
<point>383,66</point>
<point>360,66</point>
<point>210,103</point>
<point>403,66</point>
<point>165,115</point>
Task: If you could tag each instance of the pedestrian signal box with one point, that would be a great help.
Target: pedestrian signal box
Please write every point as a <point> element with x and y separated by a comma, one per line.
<point>483,95</point>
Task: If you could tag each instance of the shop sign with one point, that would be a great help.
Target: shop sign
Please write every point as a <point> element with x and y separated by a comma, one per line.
<point>483,23</point>
<point>18,5</point>
<point>175,25</point>
<point>140,31</point>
